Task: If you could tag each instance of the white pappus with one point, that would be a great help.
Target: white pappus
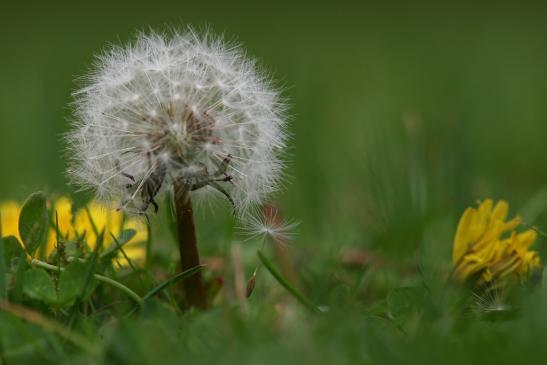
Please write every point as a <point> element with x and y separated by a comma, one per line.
<point>269,225</point>
<point>177,108</point>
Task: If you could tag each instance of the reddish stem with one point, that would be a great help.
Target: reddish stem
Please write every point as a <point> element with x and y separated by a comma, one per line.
<point>189,255</point>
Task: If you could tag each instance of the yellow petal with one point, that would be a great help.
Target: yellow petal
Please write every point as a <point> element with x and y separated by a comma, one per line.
<point>469,265</point>
<point>464,271</point>
<point>507,265</point>
<point>485,207</point>
<point>462,237</point>
<point>512,224</point>
<point>525,239</point>
<point>500,211</point>
<point>487,250</point>
<point>481,220</point>
<point>485,211</point>
<point>9,212</point>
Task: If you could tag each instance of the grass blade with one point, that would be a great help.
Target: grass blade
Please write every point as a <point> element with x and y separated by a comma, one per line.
<point>127,258</point>
<point>39,320</point>
<point>180,276</point>
<point>124,237</point>
<point>290,288</point>
<point>3,269</point>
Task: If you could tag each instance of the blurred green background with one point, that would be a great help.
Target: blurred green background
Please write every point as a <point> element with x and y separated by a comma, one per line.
<point>399,111</point>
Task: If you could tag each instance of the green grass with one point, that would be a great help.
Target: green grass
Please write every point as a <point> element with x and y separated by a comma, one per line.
<point>401,118</point>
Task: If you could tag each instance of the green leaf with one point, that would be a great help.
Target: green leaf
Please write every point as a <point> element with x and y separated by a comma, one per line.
<point>12,249</point>
<point>405,301</point>
<point>72,283</point>
<point>9,249</point>
<point>290,288</point>
<point>33,222</point>
<point>39,285</point>
<point>21,267</point>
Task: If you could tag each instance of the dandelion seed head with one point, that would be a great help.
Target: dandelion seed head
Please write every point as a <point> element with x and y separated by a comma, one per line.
<point>180,105</point>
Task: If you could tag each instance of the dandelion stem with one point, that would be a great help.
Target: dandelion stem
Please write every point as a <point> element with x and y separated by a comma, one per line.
<point>189,255</point>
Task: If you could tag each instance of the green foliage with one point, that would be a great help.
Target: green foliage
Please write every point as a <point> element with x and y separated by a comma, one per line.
<point>72,283</point>
<point>11,249</point>
<point>34,222</point>
<point>379,311</point>
<point>11,256</point>
<point>404,302</point>
<point>40,286</point>
<point>58,290</point>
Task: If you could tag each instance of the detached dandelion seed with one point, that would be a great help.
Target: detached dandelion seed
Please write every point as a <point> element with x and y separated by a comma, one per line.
<point>269,226</point>
<point>490,301</point>
<point>182,112</point>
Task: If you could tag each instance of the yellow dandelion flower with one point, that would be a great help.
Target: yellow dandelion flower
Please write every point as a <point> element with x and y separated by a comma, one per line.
<point>481,247</point>
<point>112,222</point>
<point>72,225</point>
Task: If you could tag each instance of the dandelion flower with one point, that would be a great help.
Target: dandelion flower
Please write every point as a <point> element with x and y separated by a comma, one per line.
<point>487,247</point>
<point>183,112</point>
<point>81,224</point>
<point>177,109</point>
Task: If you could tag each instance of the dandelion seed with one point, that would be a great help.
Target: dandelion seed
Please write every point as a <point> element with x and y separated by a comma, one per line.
<point>177,108</point>
<point>490,300</point>
<point>269,226</point>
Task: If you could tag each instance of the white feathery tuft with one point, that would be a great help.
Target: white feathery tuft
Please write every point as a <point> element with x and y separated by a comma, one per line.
<point>177,108</point>
<point>269,226</point>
